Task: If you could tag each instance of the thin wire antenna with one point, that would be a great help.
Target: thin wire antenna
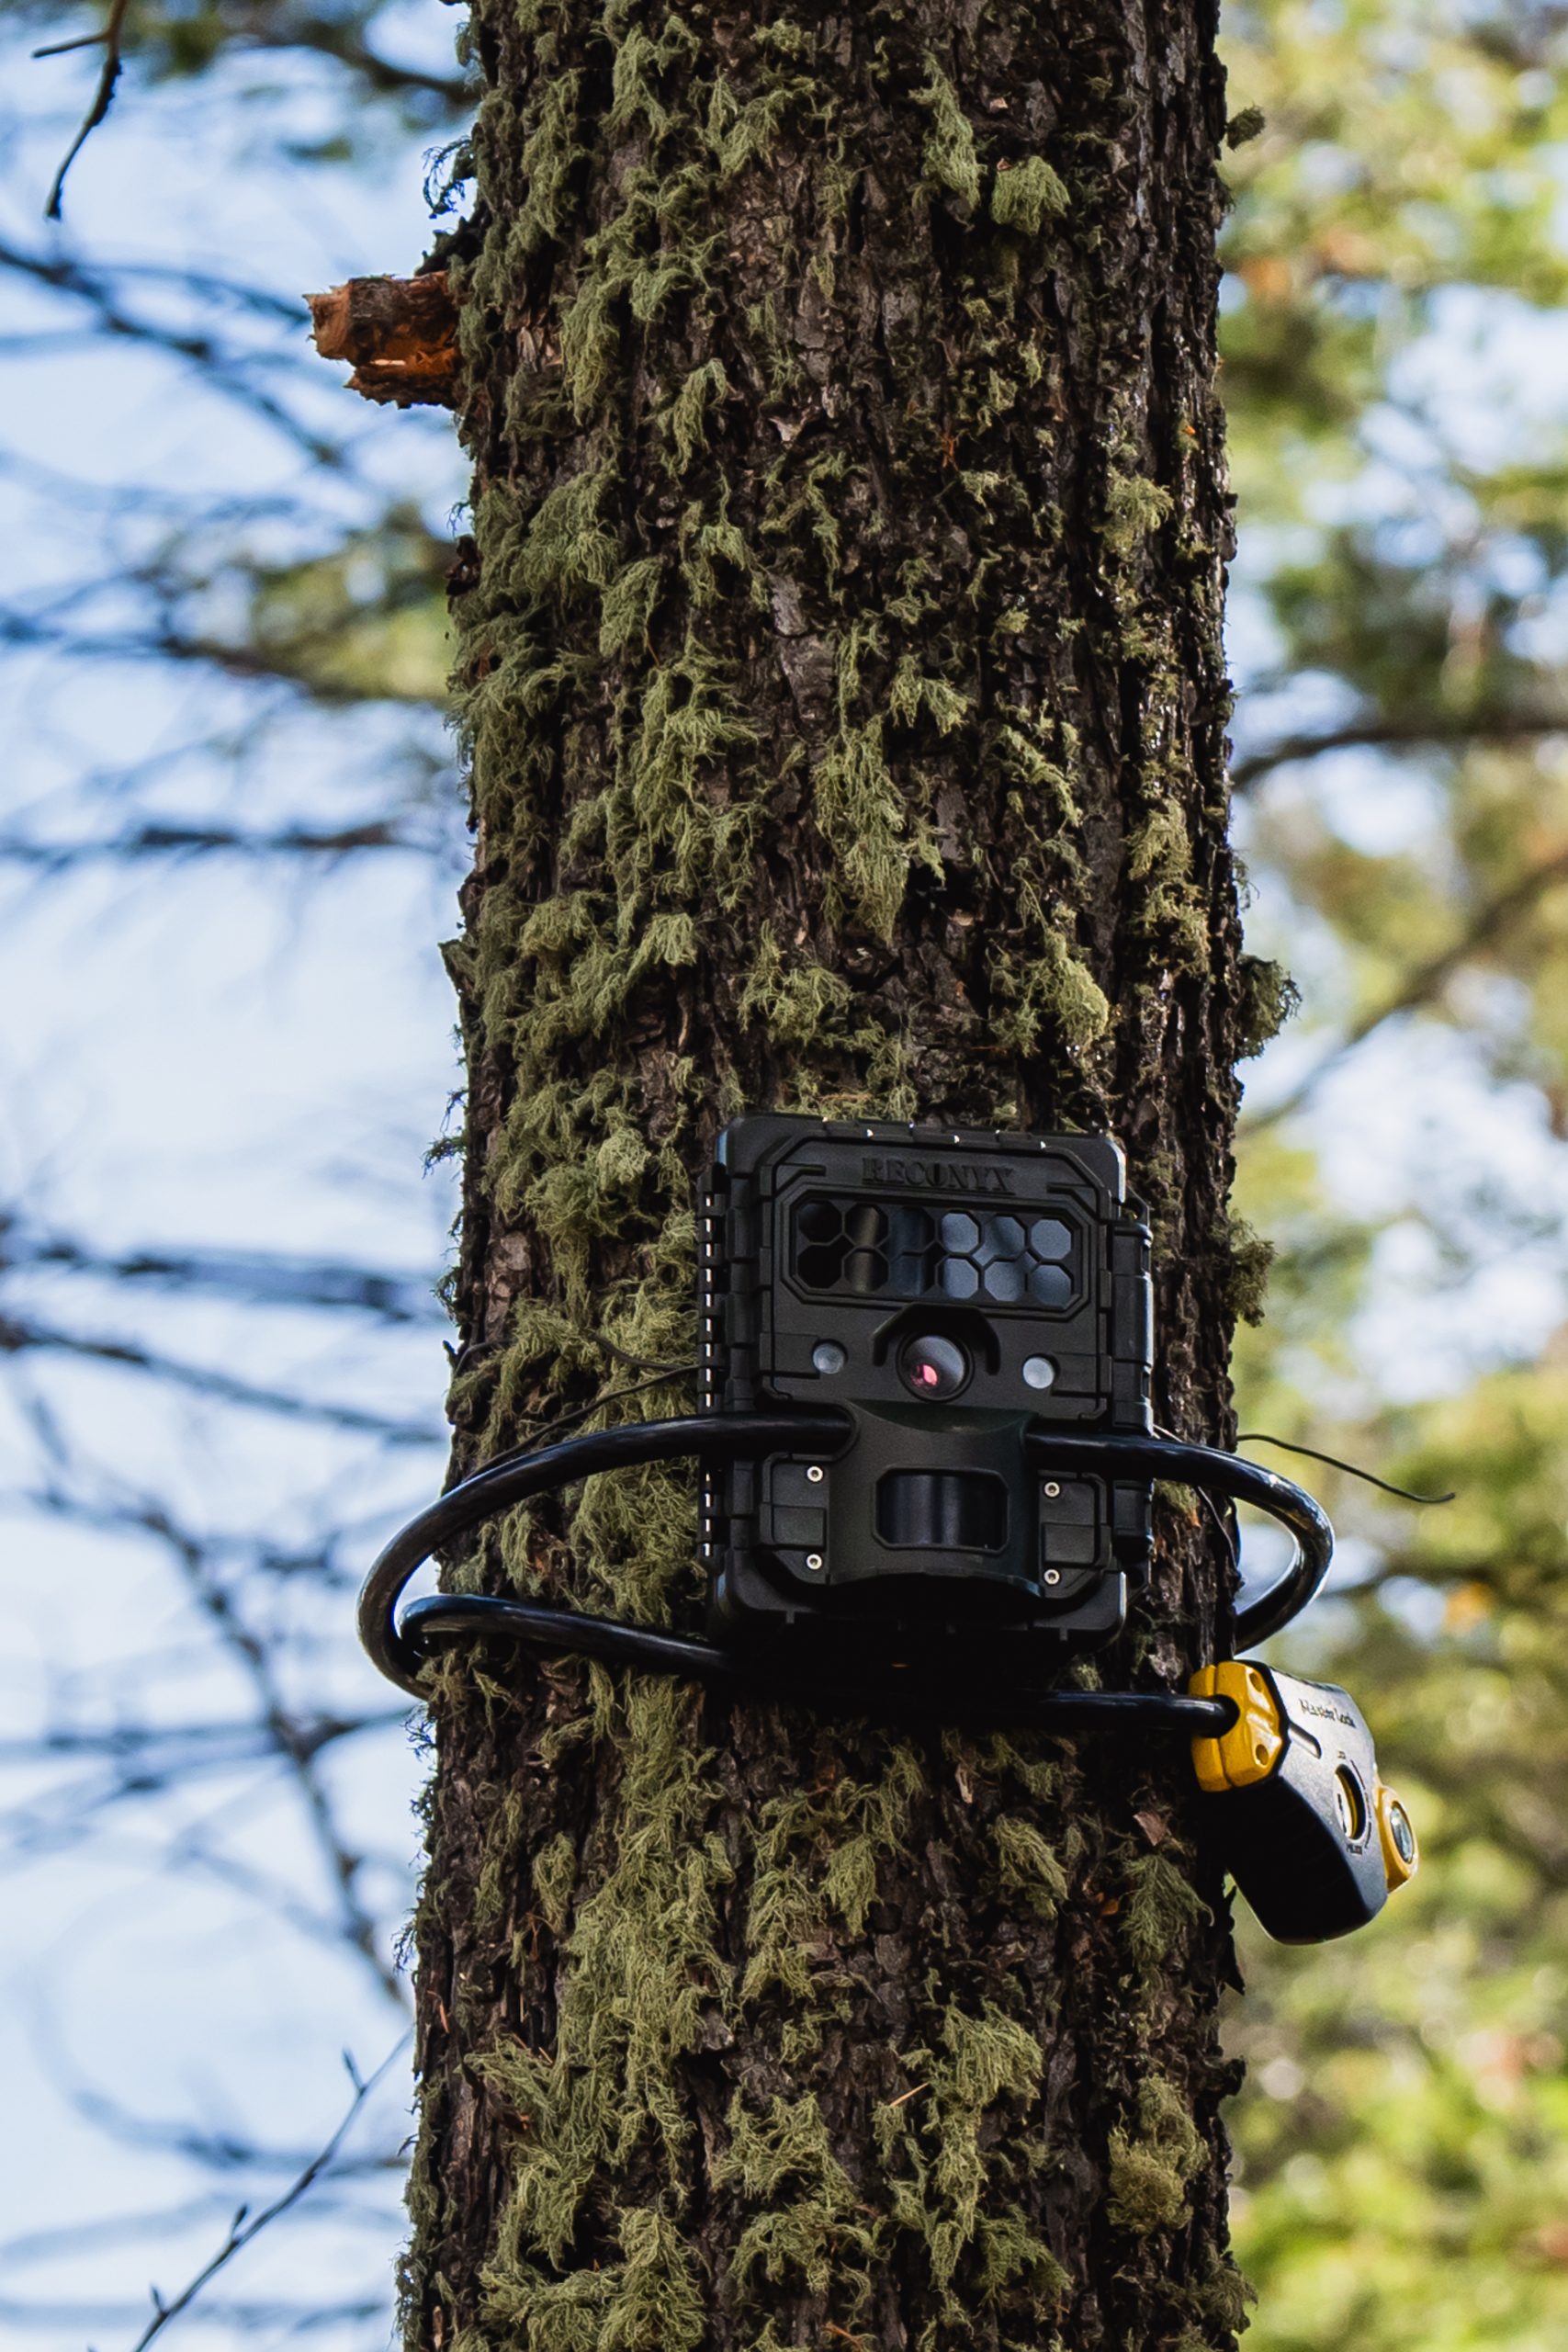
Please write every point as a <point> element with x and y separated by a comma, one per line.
<point>640,1363</point>
<point>552,1425</point>
<point>1222,1528</point>
<point>397,1647</point>
<point>1212,1510</point>
<point>1286,1445</point>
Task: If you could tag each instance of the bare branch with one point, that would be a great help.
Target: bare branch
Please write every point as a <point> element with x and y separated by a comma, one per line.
<point>195,1557</point>
<point>75,2236</point>
<point>268,26</point>
<point>250,2318</point>
<point>259,1277</point>
<point>235,373</point>
<point>331,39</point>
<point>111,1767</point>
<point>246,2229</point>
<point>1424,983</point>
<point>1412,730</point>
<point>161,1752</point>
<point>64,48</point>
<point>317,1563</point>
<point>252,662</point>
<point>103,98</point>
<point>217,2152</point>
<point>91,282</point>
<point>200,840</point>
<point>20,1337</point>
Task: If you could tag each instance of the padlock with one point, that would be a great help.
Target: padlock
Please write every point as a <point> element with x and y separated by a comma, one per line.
<point>1292,1804</point>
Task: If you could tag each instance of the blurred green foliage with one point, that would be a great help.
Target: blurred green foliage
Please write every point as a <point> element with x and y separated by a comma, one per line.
<point>365,621</point>
<point>1398,260</point>
<point>1396,343</point>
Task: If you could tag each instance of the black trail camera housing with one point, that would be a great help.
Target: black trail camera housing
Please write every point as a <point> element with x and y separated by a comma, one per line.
<point>949,1292</point>
<point>926,1442</point>
<point>1293,1805</point>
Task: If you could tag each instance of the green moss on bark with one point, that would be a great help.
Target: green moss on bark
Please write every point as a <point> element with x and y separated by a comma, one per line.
<point>842,695</point>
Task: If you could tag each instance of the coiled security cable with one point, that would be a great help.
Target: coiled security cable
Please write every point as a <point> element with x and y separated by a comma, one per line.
<point>516,1478</point>
<point>402,1647</point>
<point>1214,1472</point>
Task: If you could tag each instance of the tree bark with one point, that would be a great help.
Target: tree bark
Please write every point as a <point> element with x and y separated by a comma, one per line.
<point>839,643</point>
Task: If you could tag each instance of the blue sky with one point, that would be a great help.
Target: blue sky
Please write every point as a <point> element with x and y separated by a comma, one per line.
<point>229,1057</point>
<point>238,1055</point>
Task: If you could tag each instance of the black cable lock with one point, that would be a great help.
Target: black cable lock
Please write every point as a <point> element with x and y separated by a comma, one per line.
<point>928,1470</point>
<point>402,1648</point>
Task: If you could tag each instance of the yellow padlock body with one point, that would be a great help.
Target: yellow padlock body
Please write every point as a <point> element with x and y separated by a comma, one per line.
<point>1401,1855</point>
<point>1250,1749</point>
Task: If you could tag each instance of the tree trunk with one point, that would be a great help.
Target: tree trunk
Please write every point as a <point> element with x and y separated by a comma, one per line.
<point>841,644</point>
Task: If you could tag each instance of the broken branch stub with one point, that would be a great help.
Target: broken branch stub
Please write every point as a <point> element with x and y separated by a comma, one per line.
<point>401,335</point>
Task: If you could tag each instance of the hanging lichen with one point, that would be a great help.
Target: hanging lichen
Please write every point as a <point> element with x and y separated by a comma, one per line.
<point>842,693</point>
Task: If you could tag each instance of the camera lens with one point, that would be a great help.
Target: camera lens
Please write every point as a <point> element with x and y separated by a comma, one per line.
<point>933,1367</point>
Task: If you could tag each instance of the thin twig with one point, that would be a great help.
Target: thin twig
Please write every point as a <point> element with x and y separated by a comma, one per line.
<point>1424,983</point>
<point>546,1428</point>
<point>324,38</point>
<point>293,1739</point>
<point>355,1923</point>
<point>243,2230</point>
<point>258,1277</point>
<point>193,840</point>
<point>103,97</point>
<point>1417,731</point>
<point>234,372</point>
<point>64,48</point>
<point>1224,1528</point>
<point>18,1338</point>
<point>263,665</point>
<point>91,282</point>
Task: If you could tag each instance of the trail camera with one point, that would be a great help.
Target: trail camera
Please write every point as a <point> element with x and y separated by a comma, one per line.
<point>926,1439</point>
<point>949,1292</point>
